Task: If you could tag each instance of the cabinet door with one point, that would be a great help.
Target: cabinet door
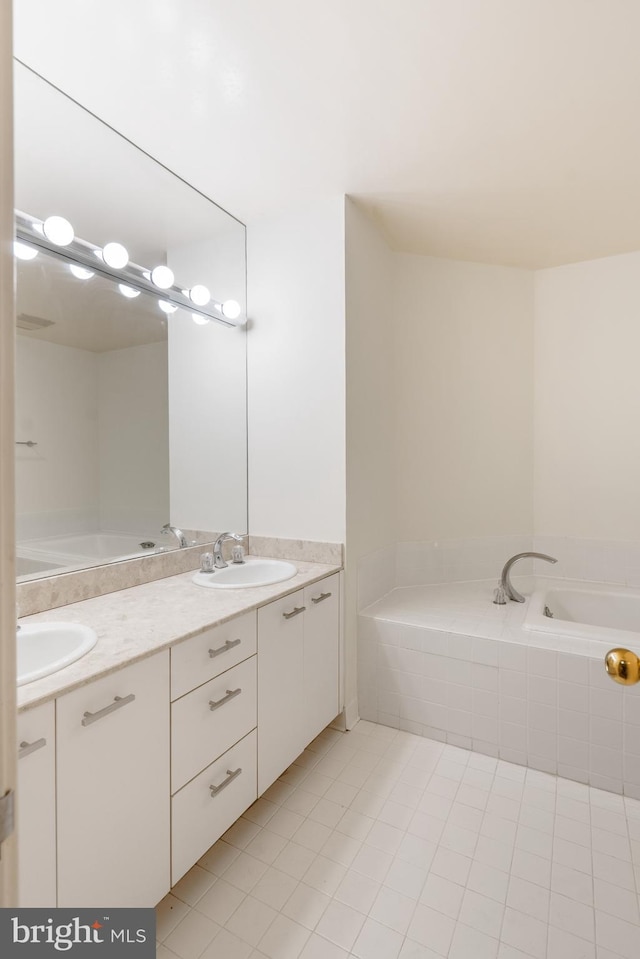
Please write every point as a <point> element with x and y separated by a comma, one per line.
<point>280,686</point>
<point>113,788</point>
<point>36,812</point>
<point>321,642</point>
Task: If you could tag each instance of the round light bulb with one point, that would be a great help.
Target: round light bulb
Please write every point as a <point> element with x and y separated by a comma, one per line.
<point>231,309</point>
<point>167,307</point>
<point>115,255</point>
<point>199,295</point>
<point>80,272</point>
<point>128,291</point>
<point>200,320</point>
<point>58,230</point>
<point>162,277</point>
<point>23,251</point>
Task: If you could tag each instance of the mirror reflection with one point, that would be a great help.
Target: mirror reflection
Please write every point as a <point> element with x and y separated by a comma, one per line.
<point>131,411</point>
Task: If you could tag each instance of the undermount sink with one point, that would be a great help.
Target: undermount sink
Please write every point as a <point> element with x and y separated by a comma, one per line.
<point>44,648</point>
<point>253,572</point>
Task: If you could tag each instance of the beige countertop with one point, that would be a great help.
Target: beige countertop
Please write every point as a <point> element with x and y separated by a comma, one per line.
<point>137,622</point>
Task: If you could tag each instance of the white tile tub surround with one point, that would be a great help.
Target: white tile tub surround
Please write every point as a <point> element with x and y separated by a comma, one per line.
<point>592,560</point>
<point>479,558</point>
<point>443,661</point>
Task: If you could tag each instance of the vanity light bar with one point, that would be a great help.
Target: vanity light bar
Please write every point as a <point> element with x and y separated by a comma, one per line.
<point>85,255</point>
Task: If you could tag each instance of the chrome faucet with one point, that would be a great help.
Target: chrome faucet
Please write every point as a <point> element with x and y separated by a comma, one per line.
<point>179,535</point>
<point>218,560</point>
<point>505,590</point>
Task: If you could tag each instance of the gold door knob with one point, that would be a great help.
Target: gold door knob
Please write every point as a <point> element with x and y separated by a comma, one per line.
<point>623,666</point>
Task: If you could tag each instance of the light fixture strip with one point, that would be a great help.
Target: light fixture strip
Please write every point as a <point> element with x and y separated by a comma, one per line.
<point>83,254</point>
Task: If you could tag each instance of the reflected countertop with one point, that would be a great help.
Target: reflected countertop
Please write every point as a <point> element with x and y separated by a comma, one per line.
<point>134,623</point>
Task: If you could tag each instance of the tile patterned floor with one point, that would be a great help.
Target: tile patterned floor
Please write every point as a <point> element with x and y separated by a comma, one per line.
<point>378,844</point>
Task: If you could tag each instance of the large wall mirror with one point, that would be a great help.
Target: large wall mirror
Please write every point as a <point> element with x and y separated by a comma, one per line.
<point>131,399</point>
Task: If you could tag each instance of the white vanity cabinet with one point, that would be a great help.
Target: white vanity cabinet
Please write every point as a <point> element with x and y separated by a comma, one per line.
<point>298,674</point>
<point>213,737</point>
<point>113,788</point>
<point>36,807</point>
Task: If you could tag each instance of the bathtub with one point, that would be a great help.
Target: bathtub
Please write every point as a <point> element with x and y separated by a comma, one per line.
<point>444,662</point>
<point>85,549</point>
<point>603,614</point>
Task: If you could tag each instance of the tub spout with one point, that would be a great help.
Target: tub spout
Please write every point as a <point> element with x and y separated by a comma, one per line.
<point>505,587</point>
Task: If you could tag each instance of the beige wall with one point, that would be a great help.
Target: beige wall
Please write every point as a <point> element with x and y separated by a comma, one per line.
<point>587,399</point>
<point>296,373</point>
<point>370,473</point>
<point>464,393</point>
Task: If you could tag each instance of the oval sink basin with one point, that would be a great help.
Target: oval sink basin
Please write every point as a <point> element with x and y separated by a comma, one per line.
<point>44,648</point>
<point>253,572</point>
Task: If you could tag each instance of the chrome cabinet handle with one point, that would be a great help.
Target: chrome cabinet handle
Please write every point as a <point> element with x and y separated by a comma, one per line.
<point>231,775</point>
<point>294,612</point>
<point>117,703</point>
<point>318,599</point>
<point>231,694</point>
<point>230,643</point>
<point>27,748</point>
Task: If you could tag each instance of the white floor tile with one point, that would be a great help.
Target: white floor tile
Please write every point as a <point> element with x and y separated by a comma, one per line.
<point>220,901</point>
<point>284,939</point>
<point>193,885</point>
<point>432,929</point>
<point>192,935</point>
<point>442,895</point>
<point>169,912</point>
<point>341,924</point>
<point>274,888</point>
<point>379,844</point>
<point>377,942</point>
<point>227,946</point>
<point>357,891</point>
<point>306,906</point>
<point>251,920</point>
<point>468,942</point>
<point>319,948</point>
<point>393,909</point>
<point>481,913</point>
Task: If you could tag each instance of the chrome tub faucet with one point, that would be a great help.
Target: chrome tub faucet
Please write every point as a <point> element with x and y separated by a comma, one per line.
<point>179,535</point>
<point>505,590</point>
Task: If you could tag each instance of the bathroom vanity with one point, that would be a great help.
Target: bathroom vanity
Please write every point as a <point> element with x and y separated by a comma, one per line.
<point>137,758</point>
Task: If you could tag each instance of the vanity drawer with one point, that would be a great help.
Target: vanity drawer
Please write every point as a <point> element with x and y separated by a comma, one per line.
<point>201,814</point>
<point>210,719</point>
<point>212,652</point>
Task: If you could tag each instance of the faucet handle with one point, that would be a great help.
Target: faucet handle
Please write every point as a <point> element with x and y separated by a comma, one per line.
<point>206,563</point>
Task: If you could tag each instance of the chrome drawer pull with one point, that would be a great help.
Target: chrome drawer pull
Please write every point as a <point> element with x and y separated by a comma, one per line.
<point>231,694</point>
<point>318,599</point>
<point>231,775</point>
<point>230,643</point>
<point>117,703</point>
<point>294,612</point>
<point>27,748</point>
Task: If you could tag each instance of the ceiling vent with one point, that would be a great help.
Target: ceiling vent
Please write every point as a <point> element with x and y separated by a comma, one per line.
<point>32,323</point>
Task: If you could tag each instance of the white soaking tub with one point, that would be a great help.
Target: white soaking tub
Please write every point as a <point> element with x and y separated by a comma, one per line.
<point>608,615</point>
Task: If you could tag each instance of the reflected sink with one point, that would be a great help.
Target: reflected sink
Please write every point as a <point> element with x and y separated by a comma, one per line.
<point>253,572</point>
<point>44,648</point>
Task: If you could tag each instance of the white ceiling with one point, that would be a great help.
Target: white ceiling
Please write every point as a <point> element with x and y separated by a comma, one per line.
<point>504,131</point>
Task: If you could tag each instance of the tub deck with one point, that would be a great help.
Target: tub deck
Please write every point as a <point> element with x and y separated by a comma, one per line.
<point>467,609</point>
